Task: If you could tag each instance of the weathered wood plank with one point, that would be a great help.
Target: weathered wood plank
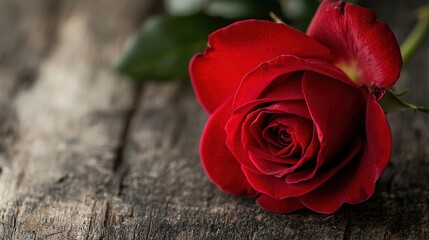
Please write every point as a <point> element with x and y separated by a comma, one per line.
<point>71,168</point>
<point>63,114</point>
<point>169,192</point>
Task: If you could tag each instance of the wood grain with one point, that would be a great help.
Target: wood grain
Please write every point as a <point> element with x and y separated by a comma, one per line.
<point>86,154</point>
<point>63,114</point>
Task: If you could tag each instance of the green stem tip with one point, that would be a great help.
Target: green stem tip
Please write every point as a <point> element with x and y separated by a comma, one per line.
<point>417,35</point>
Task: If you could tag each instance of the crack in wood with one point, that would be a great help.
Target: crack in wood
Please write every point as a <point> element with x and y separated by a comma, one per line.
<point>63,178</point>
<point>347,229</point>
<point>120,165</point>
<point>106,215</point>
<point>120,159</point>
<point>149,226</point>
<point>15,218</point>
<point>91,219</point>
<point>53,234</point>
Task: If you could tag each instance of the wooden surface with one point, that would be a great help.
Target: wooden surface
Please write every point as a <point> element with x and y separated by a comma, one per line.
<point>86,154</point>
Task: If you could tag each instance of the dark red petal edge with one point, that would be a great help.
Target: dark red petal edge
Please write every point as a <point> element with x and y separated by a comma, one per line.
<point>286,205</point>
<point>218,162</point>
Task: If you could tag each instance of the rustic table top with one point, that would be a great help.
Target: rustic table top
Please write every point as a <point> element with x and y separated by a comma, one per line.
<point>85,153</point>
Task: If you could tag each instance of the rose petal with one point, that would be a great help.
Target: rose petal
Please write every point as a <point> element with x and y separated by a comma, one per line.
<point>378,146</point>
<point>265,166</point>
<point>356,182</point>
<point>218,162</point>
<point>361,44</point>
<point>285,205</point>
<point>269,134</point>
<point>253,85</point>
<point>285,87</point>
<point>294,150</point>
<point>278,72</point>
<point>235,50</point>
<point>278,188</point>
<point>308,160</point>
<point>234,127</point>
<point>300,128</point>
<point>254,142</point>
<point>254,128</point>
<point>338,112</point>
<point>257,150</point>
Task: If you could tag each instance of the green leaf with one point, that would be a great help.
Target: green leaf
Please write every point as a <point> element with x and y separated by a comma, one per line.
<point>184,7</point>
<point>242,9</point>
<point>162,48</point>
<point>391,102</point>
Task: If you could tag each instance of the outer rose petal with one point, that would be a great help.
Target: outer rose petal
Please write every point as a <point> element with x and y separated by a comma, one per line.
<point>235,50</point>
<point>218,162</point>
<point>363,46</point>
<point>338,112</point>
<point>269,73</point>
<point>356,182</point>
<point>378,146</point>
<point>286,205</point>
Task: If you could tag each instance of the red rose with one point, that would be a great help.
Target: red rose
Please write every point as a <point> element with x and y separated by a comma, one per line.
<point>294,119</point>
